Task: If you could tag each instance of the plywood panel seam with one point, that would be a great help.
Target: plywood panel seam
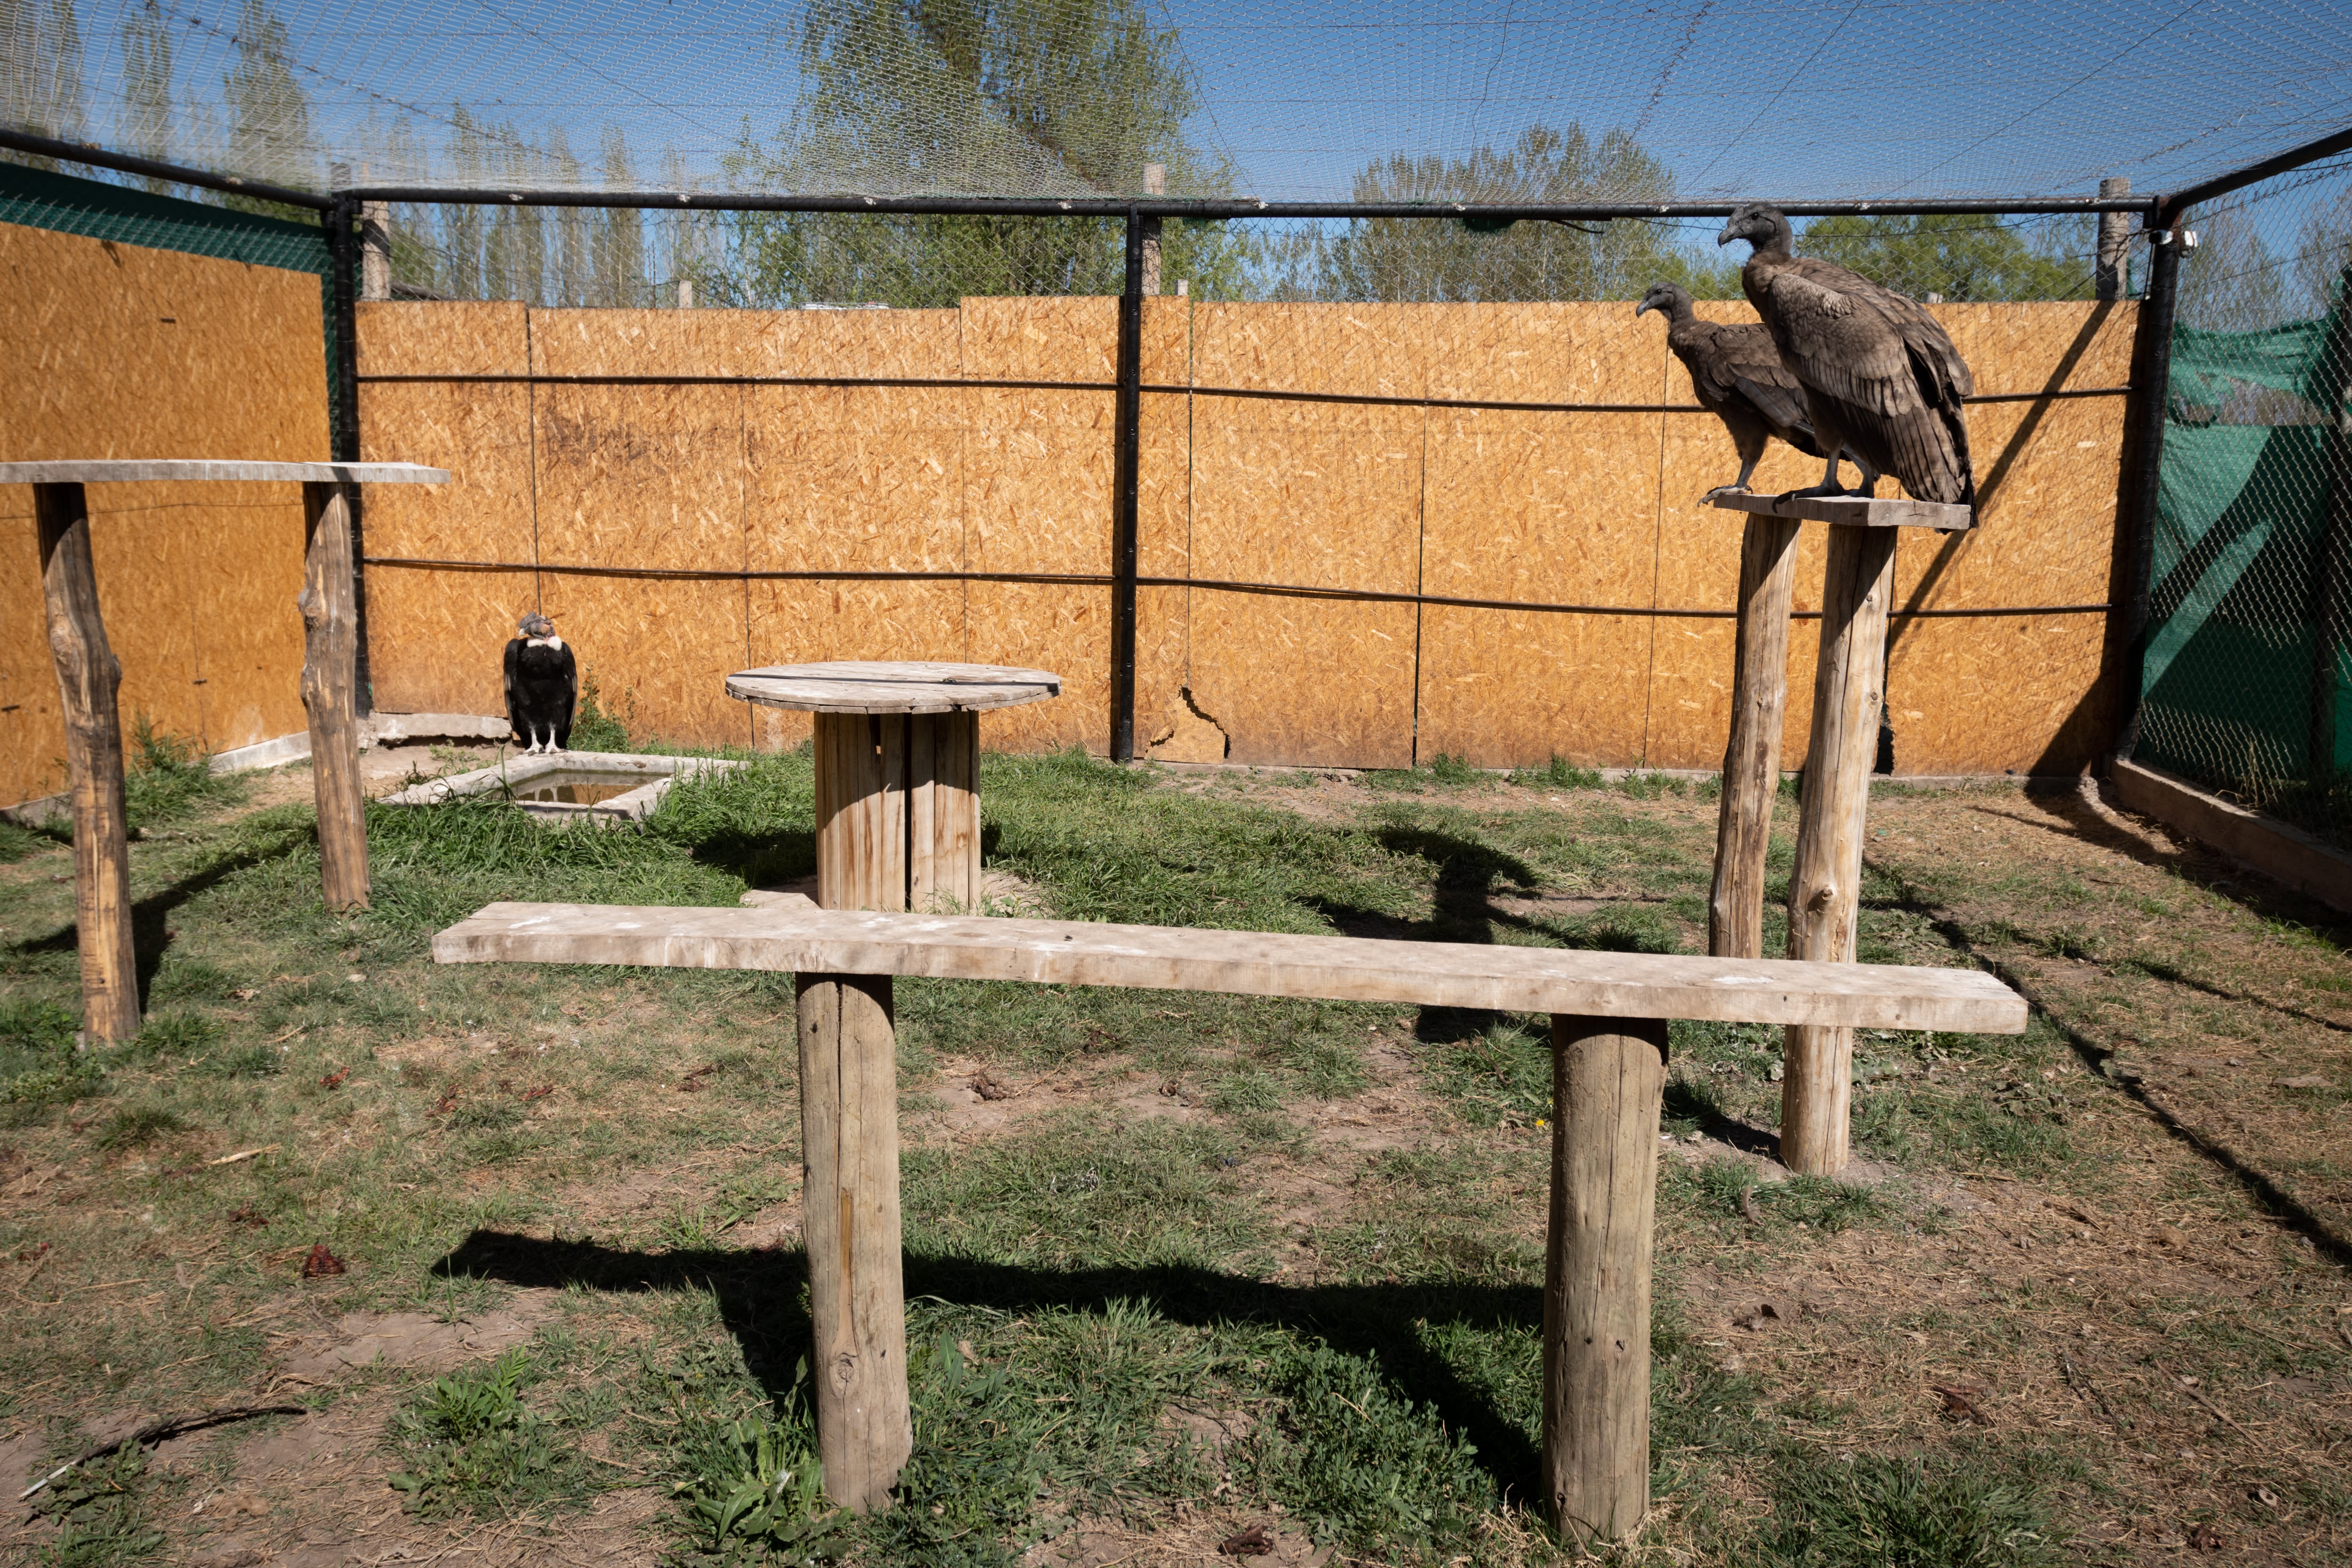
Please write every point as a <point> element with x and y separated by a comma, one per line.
<point>531,413</point>
<point>1657,551</point>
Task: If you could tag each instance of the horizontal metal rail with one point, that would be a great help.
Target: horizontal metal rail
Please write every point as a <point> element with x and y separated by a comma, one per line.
<point>1213,584</point>
<point>1277,394</point>
<point>126,164</point>
<point>1217,209</point>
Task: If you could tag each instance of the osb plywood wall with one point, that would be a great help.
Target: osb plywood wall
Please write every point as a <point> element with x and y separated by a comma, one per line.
<point>111,350</point>
<point>1377,478</point>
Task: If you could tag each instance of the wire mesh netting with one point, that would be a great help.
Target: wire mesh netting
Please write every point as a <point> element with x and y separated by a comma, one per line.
<point>2247,684</point>
<point>1315,100</point>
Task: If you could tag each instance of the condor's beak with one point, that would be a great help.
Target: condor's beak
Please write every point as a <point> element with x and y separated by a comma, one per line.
<point>1729,234</point>
<point>1641,307</point>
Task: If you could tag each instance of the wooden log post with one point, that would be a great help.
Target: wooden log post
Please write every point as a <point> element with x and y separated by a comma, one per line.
<point>1608,1079</point>
<point>849,1218</point>
<point>943,814</point>
<point>1751,761</point>
<point>1824,891</point>
<point>897,812</point>
<point>329,677</point>
<point>87,676</point>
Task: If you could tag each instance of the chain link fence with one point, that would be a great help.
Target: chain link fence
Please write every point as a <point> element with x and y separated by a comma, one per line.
<point>2247,688</point>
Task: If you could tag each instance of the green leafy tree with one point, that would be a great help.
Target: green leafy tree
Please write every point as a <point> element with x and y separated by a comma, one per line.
<point>1960,256</point>
<point>147,88</point>
<point>40,72</point>
<point>1008,96</point>
<point>270,136</point>
<point>1417,259</point>
<point>2233,281</point>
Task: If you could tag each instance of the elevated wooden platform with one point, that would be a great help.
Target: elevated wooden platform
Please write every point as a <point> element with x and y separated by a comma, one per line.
<point>1250,963</point>
<point>1856,512</point>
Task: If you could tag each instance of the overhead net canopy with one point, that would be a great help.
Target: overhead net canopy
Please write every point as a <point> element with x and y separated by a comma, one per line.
<point>1293,100</point>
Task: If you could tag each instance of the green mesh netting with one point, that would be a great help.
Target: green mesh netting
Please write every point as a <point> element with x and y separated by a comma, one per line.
<point>40,198</point>
<point>2247,684</point>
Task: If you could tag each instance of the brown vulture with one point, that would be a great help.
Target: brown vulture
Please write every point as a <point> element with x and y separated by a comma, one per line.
<point>1738,378</point>
<point>1881,378</point>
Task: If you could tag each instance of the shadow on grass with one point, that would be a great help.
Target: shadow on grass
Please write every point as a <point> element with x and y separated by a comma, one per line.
<point>2258,1184</point>
<point>151,937</point>
<point>761,1296</point>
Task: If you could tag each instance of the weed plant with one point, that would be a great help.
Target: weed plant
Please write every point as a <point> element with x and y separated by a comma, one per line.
<point>470,1446</point>
<point>169,778</point>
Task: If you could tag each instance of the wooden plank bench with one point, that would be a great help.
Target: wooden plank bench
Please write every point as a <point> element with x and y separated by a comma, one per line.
<point>1609,1047</point>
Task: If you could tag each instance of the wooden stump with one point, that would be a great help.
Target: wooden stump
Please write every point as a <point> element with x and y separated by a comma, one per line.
<point>330,675</point>
<point>1751,761</point>
<point>1824,892</point>
<point>897,811</point>
<point>87,676</point>
<point>1607,1078</point>
<point>849,1218</point>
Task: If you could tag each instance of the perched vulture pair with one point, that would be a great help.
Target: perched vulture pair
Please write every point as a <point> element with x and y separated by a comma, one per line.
<point>1739,377</point>
<point>1881,379</point>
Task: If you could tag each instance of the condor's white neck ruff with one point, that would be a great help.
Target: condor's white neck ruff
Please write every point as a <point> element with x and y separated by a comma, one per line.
<point>545,642</point>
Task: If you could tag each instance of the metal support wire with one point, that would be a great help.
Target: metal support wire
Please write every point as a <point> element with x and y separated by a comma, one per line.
<point>2151,376</point>
<point>1128,415</point>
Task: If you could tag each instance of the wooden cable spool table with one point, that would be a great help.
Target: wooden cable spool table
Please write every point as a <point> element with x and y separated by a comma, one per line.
<point>1849,690</point>
<point>89,675</point>
<point>897,772</point>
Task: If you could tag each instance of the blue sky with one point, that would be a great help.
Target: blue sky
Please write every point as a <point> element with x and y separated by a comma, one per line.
<point>1914,99</point>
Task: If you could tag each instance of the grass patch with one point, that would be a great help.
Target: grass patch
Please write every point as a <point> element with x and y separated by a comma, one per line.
<point>470,1446</point>
<point>1885,1511</point>
<point>104,1511</point>
<point>168,778</point>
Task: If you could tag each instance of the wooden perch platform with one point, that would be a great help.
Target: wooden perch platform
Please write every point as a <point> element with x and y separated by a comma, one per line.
<point>1609,1013</point>
<point>1856,511</point>
<point>145,470</point>
<point>1241,962</point>
<point>89,675</point>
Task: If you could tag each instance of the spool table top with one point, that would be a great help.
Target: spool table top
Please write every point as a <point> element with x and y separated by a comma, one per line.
<point>871,686</point>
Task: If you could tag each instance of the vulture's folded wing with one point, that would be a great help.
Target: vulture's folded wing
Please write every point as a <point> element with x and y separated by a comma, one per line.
<point>1839,339</point>
<point>1746,358</point>
<point>1945,373</point>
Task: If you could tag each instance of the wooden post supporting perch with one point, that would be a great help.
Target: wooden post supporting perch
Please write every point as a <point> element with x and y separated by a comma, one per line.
<point>1751,761</point>
<point>87,676</point>
<point>1607,1078</point>
<point>897,811</point>
<point>1824,891</point>
<point>329,671</point>
<point>849,1218</point>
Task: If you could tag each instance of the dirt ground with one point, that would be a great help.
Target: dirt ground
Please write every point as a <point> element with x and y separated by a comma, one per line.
<point>2111,1260</point>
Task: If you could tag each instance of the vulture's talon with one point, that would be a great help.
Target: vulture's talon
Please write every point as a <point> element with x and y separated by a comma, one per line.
<point>1726,490</point>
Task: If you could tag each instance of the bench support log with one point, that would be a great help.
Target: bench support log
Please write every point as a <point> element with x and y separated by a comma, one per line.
<point>329,677</point>
<point>87,676</point>
<point>1751,761</point>
<point>1824,891</point>
<point>849,1218</point>
<point>897,811</point>
<point>1607,1078</point>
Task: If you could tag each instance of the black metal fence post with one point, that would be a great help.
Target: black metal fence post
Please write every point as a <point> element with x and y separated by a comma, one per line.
<point>2151,378</point>
<point>341,218</point>
<point>1127,413</point>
